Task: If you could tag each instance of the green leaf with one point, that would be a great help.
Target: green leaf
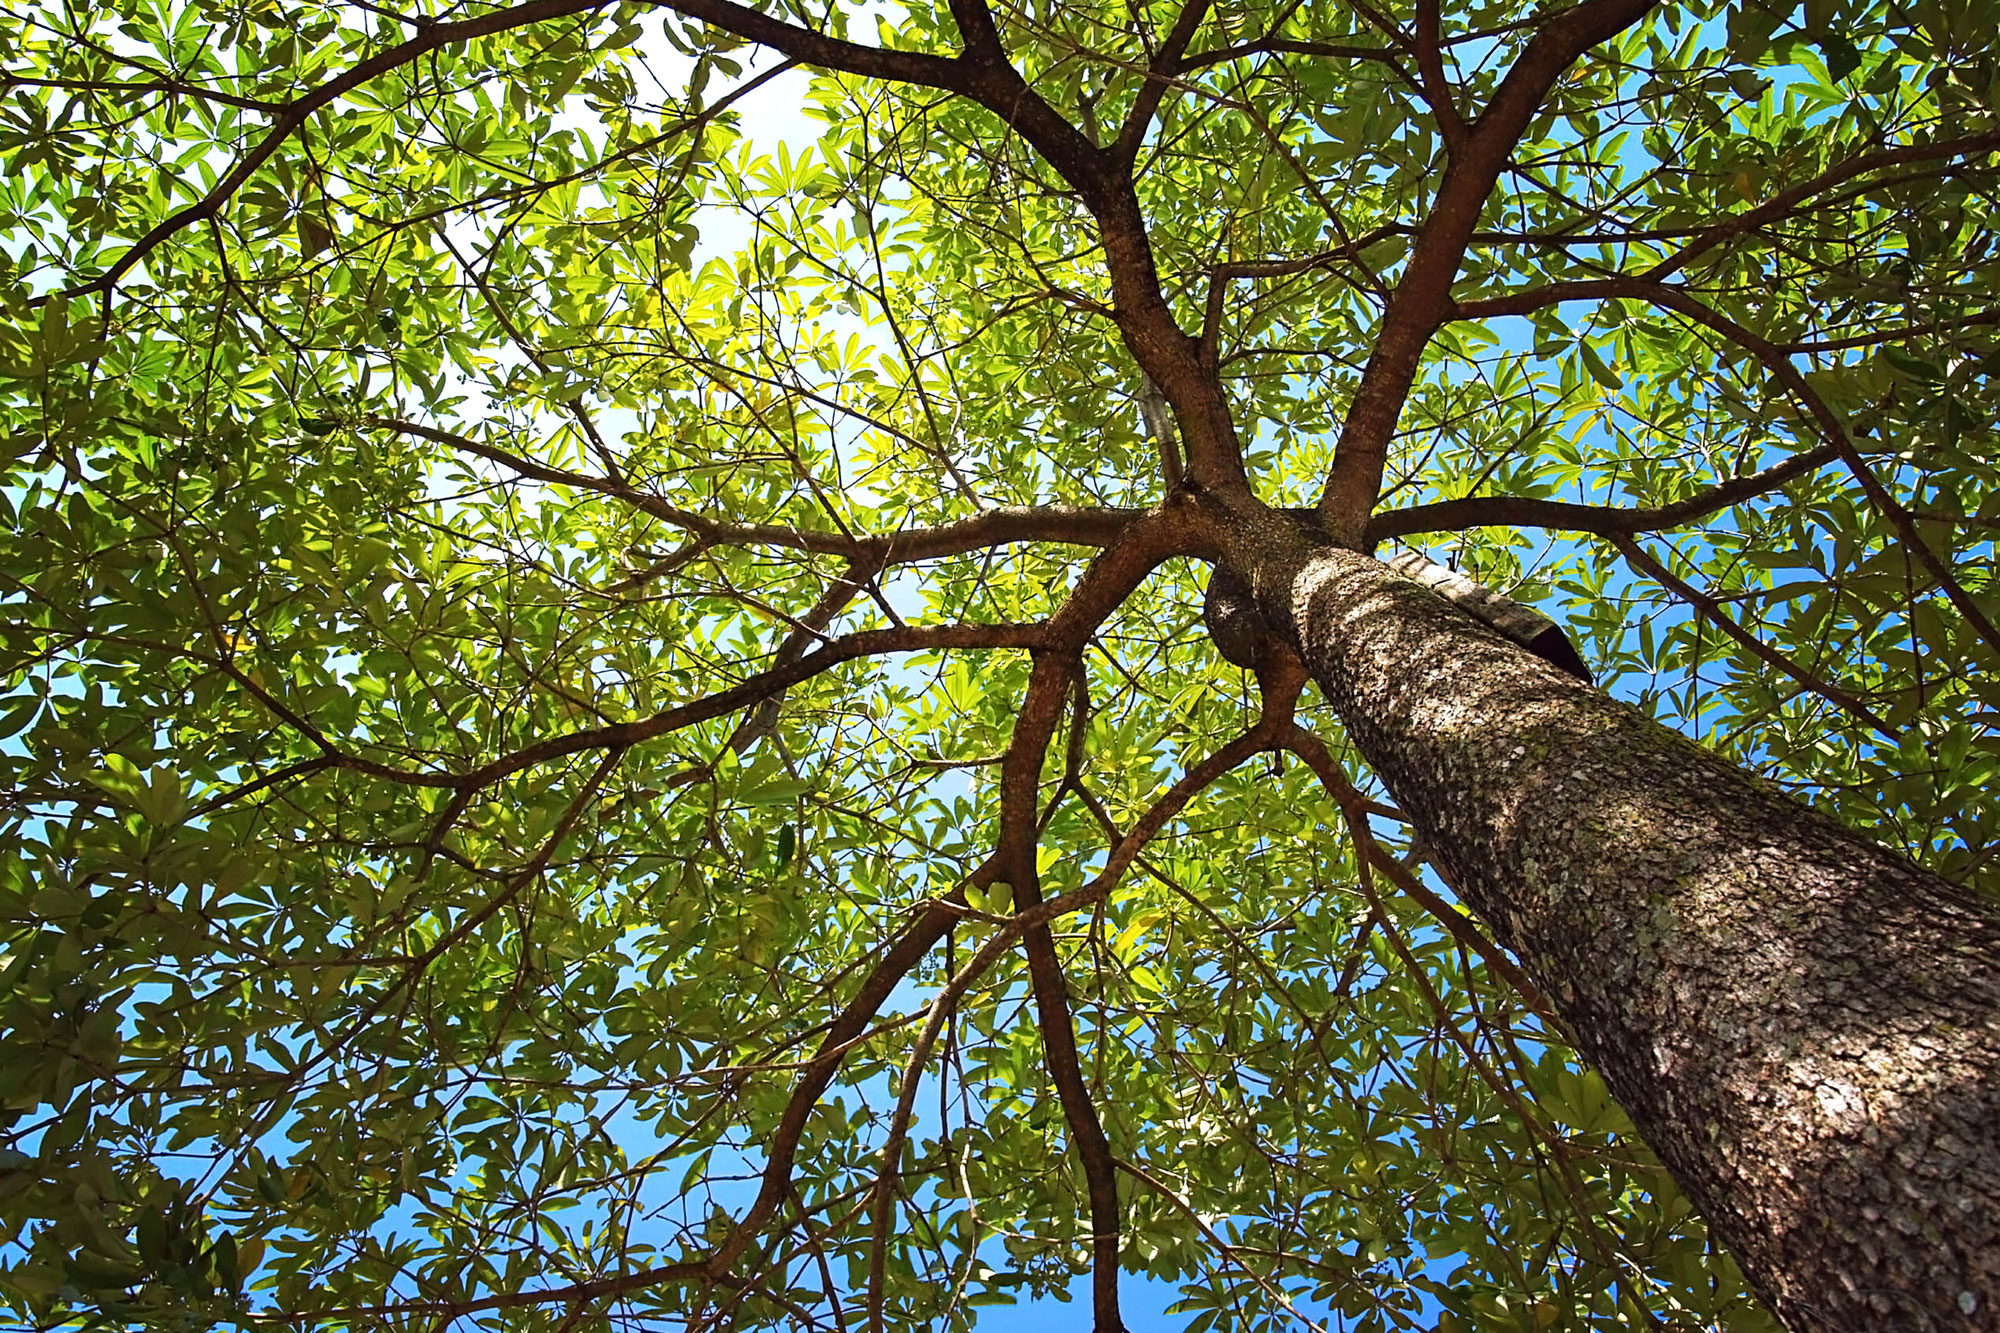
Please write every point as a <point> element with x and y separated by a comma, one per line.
<point>1599,371</point>
<point>314,235</point>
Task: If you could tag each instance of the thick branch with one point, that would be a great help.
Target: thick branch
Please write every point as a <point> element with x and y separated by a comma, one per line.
<point>947,999</point>
<point>976,30</point>
<point>1166,65</point>
<point>981,74</point>
<point>1068,524</point>
<point>1422,300</point>
<point>1105,585</point>
<point>1780,367</point>
<point>1273,728</point>
<point>1086,1131</point>
<point>1515,511</point>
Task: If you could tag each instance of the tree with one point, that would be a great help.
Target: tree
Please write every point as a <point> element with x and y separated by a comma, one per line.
<point>568,772</point>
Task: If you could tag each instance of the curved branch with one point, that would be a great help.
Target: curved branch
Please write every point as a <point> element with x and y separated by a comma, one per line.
<point>948,996</point>
<point>1894,333</point>
<point>810,626</point>
<point>1220,275</point>
<point>1073,525</point>
<point>414,967</point>
<point>159,83</point>
<point>764,685</point>
<point>623,735</point>
<point>975,28</point>
<point>1515,511</point>
<point>896,962</point>
<point>1355,809</point>
<point>1102,180</point>
<point>1265,735</point>
<point>1104,586</point>
<point>1779,365</point>
<point>981,74</point>
<point>1422,300</point>
<point>1706,607</point>
<point>1782,203</point>
<point>303,768</point>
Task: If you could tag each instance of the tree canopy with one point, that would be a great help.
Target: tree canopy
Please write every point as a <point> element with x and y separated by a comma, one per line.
<point>609,722</point>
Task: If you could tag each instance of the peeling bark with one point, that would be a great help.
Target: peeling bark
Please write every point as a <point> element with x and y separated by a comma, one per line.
<point>1804,1026</point>
<point>1520,624</point>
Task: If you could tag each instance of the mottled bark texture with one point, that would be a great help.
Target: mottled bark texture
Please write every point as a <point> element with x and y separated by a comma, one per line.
<point>1804,1026</point>
<point>1229,614</point>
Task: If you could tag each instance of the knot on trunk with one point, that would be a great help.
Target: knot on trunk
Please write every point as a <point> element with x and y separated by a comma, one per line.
<point>1229,613</point>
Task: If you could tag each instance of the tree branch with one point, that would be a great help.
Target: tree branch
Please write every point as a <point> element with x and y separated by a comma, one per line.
<point>765,684</point>
<point>1355,809</point>
<point>623,735</point>
<point>1515,511</point>
<point>1708,609</point>
<point>574,1293</point>
<point>948,996</point>
<point>1160,74</point>
<point>1261,737</point>
<point>1782,203</point>
<point>1436,88</point>
<point>1289,46</point>
<point>1779,365</point>
<point>1068,524</point>
<point>982,74</point>
<point>764,720</point>
<point>1103,182</point>
<point>1104,586</point>
<point>1422,300</point>
<point>976,30</point>
<point>1221,275</point>
<point>295,114</point>
<point>159,83</point>
<point>895,963</point>
<point>1221,1246</point>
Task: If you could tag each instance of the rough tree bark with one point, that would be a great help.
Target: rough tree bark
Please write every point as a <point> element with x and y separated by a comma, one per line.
<point>1804,1026</point>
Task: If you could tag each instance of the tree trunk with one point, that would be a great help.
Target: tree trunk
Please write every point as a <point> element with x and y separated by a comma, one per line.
<point>1804,1026</point>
